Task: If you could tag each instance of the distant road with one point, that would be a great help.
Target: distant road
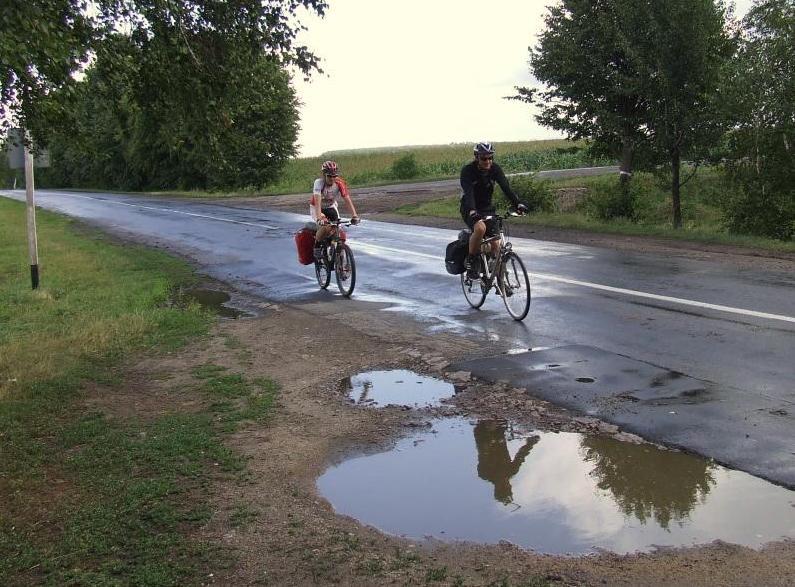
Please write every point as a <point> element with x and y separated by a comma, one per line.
<point>447,184</point>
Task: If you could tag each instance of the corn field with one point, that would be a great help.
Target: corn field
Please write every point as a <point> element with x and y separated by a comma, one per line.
<point>361,167</point>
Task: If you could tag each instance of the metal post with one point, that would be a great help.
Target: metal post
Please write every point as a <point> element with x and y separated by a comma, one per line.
<point>33,247</point>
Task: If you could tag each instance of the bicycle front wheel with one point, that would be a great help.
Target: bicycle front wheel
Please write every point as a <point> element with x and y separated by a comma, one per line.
<point>345,268</point>
<point>474,291</point>
<point>515,286</point>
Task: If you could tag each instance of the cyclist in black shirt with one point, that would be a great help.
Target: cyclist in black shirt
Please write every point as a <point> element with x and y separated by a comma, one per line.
<point>477,183</point>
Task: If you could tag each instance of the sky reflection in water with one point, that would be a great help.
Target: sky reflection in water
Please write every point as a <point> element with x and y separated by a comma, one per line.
<point>554,492</point>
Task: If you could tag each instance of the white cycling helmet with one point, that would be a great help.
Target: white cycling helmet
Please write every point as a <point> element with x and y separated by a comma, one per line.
<point>483,149</point>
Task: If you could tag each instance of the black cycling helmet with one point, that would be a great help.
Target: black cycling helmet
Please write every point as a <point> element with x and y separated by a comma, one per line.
<point>483,149</point>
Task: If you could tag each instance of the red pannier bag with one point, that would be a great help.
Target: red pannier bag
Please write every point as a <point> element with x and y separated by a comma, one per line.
<point>304,243</point>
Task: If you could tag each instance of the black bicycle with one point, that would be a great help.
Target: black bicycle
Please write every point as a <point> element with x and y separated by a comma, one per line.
<point>337,257</point>
<point>505,272</point>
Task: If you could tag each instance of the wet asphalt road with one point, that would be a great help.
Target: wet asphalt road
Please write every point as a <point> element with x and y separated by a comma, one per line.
<point>686,352</point>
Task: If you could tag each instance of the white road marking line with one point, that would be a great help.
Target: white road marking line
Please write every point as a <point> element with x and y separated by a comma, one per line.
<point>366,246</point>
<point>642,294</point>
<point>619,290</point>
<point>140,206</point>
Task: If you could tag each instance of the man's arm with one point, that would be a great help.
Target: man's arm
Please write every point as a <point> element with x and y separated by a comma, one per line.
<point>468,187</point>
<point>345,192</point>
<point>317,200</point>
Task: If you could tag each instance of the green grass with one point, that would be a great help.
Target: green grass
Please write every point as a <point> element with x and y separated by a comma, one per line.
<point>651,209</point>
<point>86,498</point>
<point>96,302</point>
<point>234,398</point>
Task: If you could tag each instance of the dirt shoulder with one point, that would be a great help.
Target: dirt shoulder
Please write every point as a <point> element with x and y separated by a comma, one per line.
<point>380,203</point>
<point>279,531</point>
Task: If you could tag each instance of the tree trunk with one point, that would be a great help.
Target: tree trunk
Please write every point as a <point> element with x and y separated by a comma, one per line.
<point>625,169</point>
<point>675,199</point>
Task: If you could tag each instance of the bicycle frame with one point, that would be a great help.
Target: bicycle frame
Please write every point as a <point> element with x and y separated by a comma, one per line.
<point>330,242</point>
<point>491,266</point>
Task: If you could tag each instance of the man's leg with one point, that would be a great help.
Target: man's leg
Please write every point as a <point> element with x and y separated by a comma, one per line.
<point>322,233</point>
<point>473,261</point>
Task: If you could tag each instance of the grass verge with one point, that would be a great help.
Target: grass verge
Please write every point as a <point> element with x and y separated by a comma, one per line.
<point>594,204</point>
<point>85,497</point>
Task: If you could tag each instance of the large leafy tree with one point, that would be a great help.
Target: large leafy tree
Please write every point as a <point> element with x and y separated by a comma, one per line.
<point>586,61</point>
<point>46,42</point>
<point>762,144</point>
<point>640,78</point>
<point>132,127</point>
<point>43,43</point>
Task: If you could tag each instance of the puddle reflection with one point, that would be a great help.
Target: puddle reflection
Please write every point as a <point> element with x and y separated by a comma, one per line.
<point>647,483</point>
<point>398,387</point>
<point>554,492</point>
<point>495,463</point>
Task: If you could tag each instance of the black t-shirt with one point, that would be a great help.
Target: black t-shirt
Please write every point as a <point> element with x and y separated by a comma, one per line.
<point>478,187</point>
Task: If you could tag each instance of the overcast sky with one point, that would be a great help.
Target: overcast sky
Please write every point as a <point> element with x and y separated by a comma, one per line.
<point>420,72</point>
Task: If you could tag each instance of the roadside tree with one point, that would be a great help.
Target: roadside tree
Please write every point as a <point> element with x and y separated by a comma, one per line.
<point>44,42</point>
<point>762,144</point>
<point>205,83</point>
<point>640,79</point>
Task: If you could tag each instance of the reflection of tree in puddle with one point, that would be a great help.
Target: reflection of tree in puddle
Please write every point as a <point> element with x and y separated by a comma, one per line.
<point>494,460</point>
<point>647,482</point>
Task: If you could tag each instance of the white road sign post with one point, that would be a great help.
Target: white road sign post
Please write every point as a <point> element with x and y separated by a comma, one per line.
<point>19,156</point>
<point>33,247</point>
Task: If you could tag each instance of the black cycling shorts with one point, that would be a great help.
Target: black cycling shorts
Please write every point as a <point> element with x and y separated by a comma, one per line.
<point>491,225</point>
<point>331,214</point>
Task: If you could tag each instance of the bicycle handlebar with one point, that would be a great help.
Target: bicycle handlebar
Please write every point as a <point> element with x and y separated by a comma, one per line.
<point>508,214</point>
<point>341,222</point>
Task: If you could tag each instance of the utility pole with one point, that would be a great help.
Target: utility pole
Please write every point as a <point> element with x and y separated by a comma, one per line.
<point>33,247</point>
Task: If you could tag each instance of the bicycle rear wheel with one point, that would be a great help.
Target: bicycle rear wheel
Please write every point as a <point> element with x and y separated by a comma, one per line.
<point>514,286</point>
<point>474,291</point>
<point>345,268</point>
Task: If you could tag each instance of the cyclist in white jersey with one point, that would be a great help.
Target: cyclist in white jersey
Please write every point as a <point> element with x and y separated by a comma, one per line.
<point>323,205</point>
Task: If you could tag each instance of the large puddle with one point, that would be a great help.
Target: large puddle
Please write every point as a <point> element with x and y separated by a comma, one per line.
<point>554,492</point>
<point>397,387</point>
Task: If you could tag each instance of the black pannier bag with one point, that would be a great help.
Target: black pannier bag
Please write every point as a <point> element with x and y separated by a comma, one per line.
<point>456,254</point>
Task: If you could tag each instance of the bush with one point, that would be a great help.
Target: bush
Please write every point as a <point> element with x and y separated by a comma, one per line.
<point>761,210</point>
<point>608,200</point>
<point>405,167</point>
<point>536,194</point>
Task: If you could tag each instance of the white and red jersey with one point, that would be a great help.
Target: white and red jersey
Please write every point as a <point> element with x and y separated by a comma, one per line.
<point>330,193</point>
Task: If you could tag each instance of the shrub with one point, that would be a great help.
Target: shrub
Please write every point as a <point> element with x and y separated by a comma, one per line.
<point>405,167</point>
<point>608,200</point>
<point>761,210</point>
<point>536,194</point>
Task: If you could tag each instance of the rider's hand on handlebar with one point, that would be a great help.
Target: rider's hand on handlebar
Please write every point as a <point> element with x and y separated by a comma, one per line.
<point>321,220</point>
<point>355,220</point>
<point>475,216</point>
<point>522,208</point>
